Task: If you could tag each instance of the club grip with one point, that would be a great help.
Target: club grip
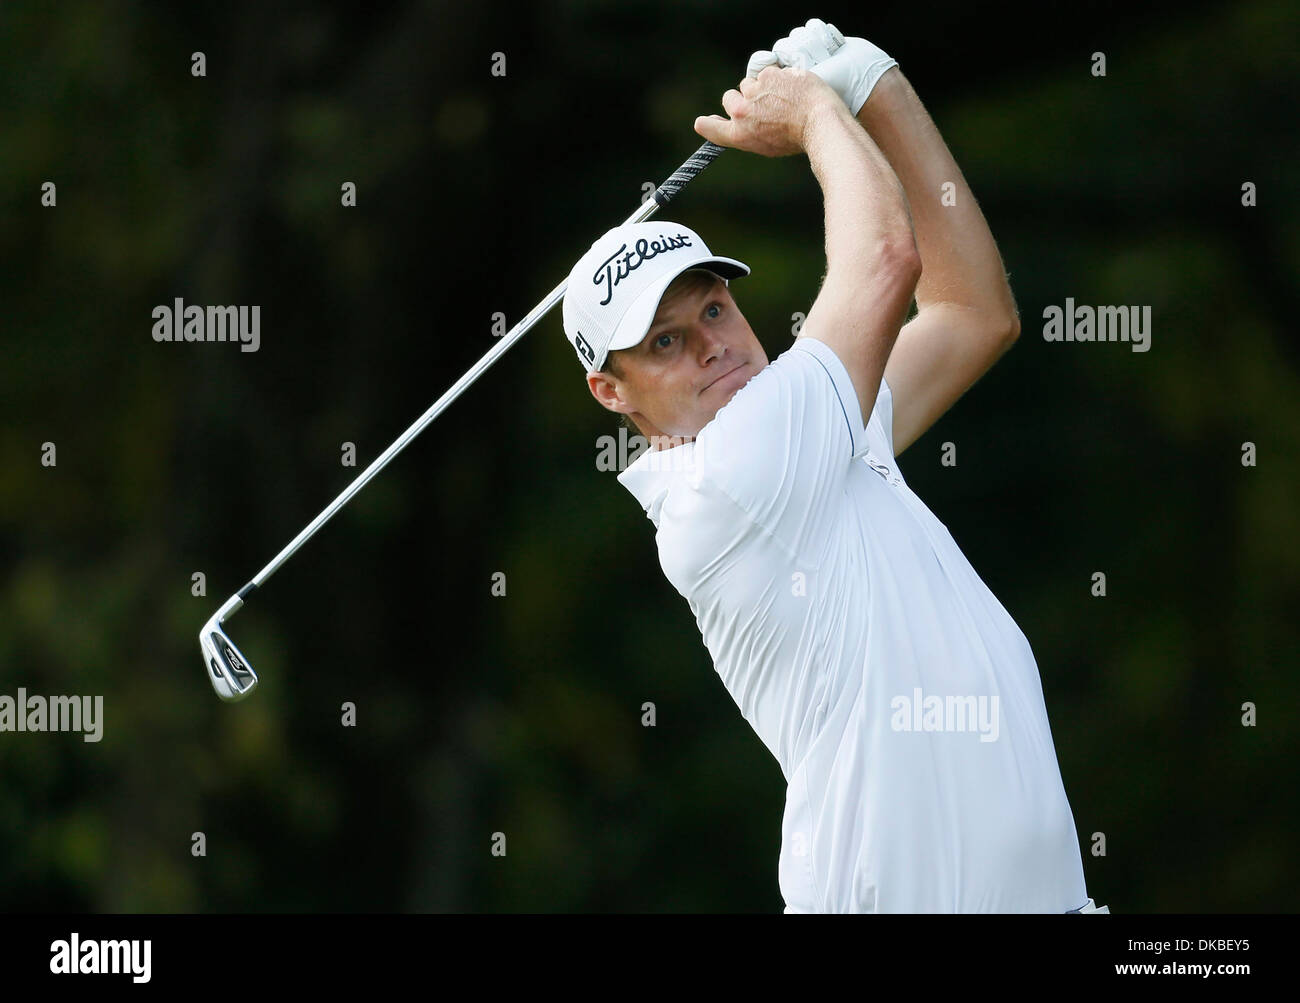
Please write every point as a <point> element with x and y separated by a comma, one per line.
<point>695,163</point>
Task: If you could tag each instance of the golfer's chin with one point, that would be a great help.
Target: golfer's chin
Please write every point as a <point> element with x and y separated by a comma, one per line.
<point>709,402</point>
<point>726,385</point>
<point>716,402</point>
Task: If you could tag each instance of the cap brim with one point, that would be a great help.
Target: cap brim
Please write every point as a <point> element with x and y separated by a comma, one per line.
<point>641,314</point>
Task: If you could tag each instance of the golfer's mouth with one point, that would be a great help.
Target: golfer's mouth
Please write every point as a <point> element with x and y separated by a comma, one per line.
<point>724,376</point>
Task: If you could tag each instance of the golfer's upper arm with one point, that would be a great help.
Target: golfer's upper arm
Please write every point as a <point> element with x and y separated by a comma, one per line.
<point>861,307</point>
<point>939,355</point>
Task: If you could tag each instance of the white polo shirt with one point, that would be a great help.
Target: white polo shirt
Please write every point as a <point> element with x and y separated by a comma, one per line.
<point>899,697</point>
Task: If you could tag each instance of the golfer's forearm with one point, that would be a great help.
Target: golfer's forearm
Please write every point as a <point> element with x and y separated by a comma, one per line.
<point>867,218</point>
<point>960,258</point>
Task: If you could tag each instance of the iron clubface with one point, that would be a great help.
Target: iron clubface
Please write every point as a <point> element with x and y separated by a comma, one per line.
<point>232,677</point>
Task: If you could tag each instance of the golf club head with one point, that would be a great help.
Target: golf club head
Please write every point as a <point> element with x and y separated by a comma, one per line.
<point>231,675</point>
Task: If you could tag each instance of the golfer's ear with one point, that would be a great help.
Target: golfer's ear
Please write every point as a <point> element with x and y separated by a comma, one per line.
<point>601,388</point>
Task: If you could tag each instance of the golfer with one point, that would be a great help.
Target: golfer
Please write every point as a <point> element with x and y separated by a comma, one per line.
<point>898,695</point>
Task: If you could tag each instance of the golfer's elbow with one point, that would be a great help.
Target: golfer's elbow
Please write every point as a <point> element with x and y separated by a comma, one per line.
<point>997,322</point>
<point>1004,315</point>
<point>1007,327</point>
<point>1012,333</point>
<point>902,257</point>
<point>897,266</point>
<point>1006,333</point>
<point>999,335</point>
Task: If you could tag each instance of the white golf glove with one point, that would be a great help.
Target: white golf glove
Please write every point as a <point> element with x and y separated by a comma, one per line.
<point>850,65</point>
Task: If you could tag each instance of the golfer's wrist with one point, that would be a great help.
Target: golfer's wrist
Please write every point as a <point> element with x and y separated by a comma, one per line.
<point>824,120</point>
<point>885,95</point>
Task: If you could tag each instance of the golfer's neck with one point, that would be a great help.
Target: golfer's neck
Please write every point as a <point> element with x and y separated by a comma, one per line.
<point>658,442</point>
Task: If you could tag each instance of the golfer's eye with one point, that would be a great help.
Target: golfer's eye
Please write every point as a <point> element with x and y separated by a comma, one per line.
<point>718,308</point>
<point>659,340</point>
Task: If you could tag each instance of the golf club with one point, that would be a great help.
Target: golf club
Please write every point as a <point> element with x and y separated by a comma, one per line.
<point>232,676</point>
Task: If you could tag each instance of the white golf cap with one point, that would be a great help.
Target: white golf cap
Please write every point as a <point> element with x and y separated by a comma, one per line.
<point>615,288</point>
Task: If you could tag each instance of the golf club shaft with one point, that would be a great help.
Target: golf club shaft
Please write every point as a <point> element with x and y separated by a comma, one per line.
<point>664,194</point>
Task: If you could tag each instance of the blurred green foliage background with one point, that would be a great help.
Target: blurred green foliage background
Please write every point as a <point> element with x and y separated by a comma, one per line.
<point>521,714</point>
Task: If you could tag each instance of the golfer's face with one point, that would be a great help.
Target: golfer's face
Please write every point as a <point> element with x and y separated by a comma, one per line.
<point>698,352</point>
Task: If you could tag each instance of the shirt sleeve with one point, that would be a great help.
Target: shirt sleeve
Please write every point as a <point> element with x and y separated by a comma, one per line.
<point>782,447</point>
<point>880,429</point>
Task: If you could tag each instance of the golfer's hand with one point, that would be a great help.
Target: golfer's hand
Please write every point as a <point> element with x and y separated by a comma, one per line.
<point>769,114</point>
<point>852,66</point>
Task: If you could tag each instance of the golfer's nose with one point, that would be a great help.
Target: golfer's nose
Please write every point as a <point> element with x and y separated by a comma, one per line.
<point>710,344</point>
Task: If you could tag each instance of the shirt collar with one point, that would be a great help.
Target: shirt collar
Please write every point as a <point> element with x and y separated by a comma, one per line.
<point>653,472</point>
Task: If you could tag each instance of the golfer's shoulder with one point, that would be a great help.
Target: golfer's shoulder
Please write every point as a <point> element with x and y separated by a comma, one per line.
<point>791,406</point>
<point>800,386</point>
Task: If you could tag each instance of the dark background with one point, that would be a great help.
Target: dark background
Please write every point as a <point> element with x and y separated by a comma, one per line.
<point>521,714</point>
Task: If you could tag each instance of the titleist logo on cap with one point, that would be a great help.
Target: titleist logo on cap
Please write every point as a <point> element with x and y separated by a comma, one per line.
<point>615,269</point>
